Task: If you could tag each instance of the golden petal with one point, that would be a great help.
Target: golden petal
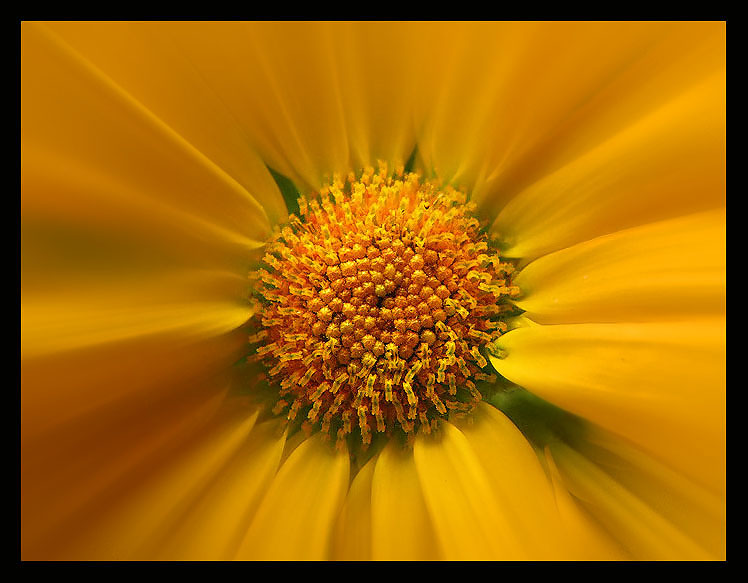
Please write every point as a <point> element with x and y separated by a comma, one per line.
<point>130,515</point>
<point>469,522</point>
<point>518,481</point>
<point>401,527</point>
<point>215,525</point>
<point>588,540</point>
<point>661,385</point>
<point>72,111</point>
<point>641,529</point>
<point>666,270</point>
<point>509,103</point>
<point>353,531</point>
<point>295,518</point>
<point>667,163</point>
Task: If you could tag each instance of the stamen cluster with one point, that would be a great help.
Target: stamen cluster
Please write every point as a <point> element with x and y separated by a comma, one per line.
<point>377,305</point>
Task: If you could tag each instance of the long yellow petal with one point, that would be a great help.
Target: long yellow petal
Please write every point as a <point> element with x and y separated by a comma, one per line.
<point>215,525</point>
<point>668,163</point>
<point>643,531</point>
<point>469,522</point>
<point>587,539</point>
<point>666,270</point>
<point>149,501</point>
<point>74,112</point>
<point>352,536</point>
<point>114,311</point>
<point>508,103</point>
<point>401,527</point>
<point>489,105</point>
<point>73,473</point>
<point>295,518</point>
<point>142,58</point>
<point>129,233</point>
<point>694,510</point>
<point>95,421</point>
<point>378,79</point>
<point>662,385</point>
<point>276,82</point>
<point>518,481</point>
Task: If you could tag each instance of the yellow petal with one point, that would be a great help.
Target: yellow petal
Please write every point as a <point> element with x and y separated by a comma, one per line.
<point>128,231</point>
<point>469,523</point>
<point>141,58</point>
<point>695,511</point>
<point>662,385</point>
<point>95,421</point>
<point>76,115</point>
<point>103,380</point>
<point>215,525</point>
<point>113,311</point>
<point>377,66</point>
<point>147,505</point>
<point>401,527</point>
<point>667,163</point>
<point>642,530</point>
<point>588,540</point>
<point>73,473</point>
<point>352,537</point>
<point>294,520</point>
<point>277,83</point>
<point>518,481</point>
<point>666,270</point>
<point>493,123</point>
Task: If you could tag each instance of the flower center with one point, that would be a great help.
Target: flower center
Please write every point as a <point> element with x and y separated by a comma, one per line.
<point>377,306</point>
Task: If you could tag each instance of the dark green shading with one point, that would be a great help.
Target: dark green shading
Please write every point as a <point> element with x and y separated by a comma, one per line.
<point>411,159</point>
<point>540,421</point>
<point>288,190</point>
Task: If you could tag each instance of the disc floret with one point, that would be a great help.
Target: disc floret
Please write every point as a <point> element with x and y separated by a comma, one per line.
<point>376,306</point>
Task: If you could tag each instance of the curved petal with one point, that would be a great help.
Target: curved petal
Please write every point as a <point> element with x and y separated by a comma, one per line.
<point>75,115</point>
<point>661,385</point>
<point>401,527</point>
<point>296,516</point>
<point>588,540</point>
<point>214,526</point>
<point>510,103</point>
<point>352,536</point>
<point>469,522</point>
<point>518,481</point>
<point>668,163</point>
<point>143,505</point>
<point>662,271</point>
<point>695,511</point>
<point>143,59</point>
<point>642,530</point>
<point>276,81</point>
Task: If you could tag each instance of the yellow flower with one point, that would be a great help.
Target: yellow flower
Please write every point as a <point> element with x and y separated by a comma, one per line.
<point>157,158</point>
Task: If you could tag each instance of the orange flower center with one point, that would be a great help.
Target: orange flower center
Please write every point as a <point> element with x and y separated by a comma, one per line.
<point>378,306</point>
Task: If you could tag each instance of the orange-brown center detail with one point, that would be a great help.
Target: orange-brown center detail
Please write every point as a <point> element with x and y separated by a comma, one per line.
<point>376,306</point>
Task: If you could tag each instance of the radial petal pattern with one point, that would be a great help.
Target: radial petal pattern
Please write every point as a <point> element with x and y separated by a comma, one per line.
<point>150,152</point>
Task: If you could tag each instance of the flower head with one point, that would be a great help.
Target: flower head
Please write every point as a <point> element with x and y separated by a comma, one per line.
<point>377,305</point>
<point>250,330</point>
